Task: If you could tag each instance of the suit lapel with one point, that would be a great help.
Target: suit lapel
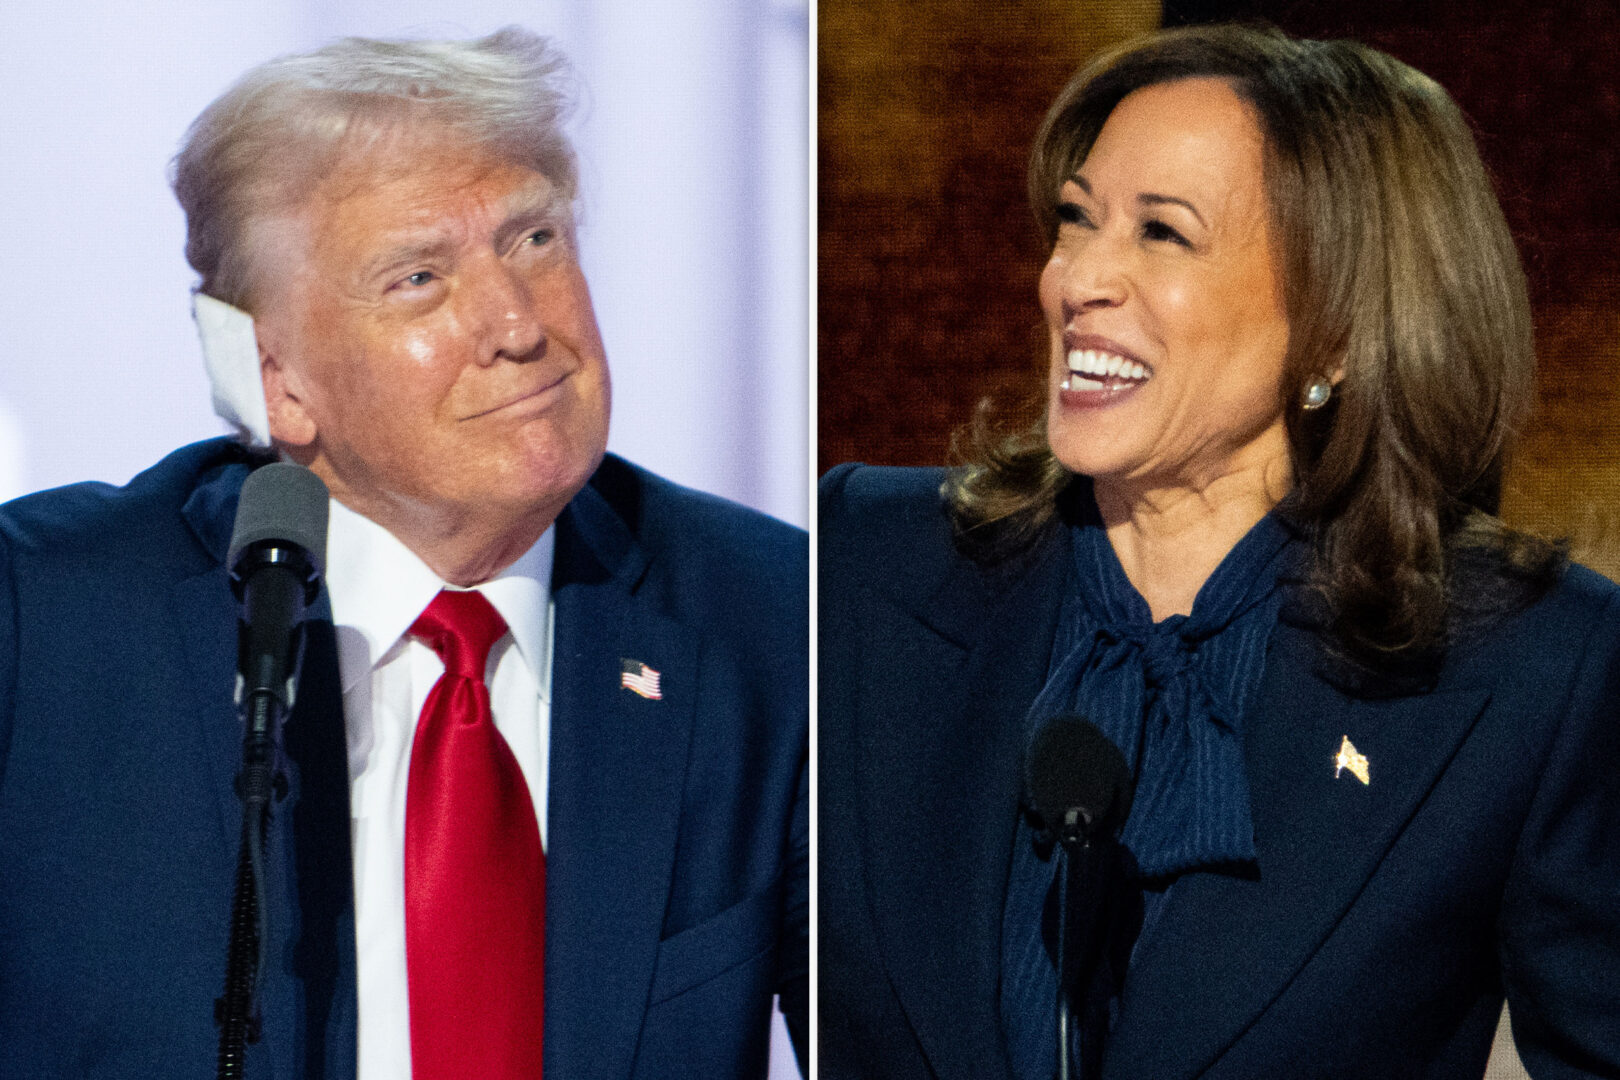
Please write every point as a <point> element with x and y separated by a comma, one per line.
<point>949,711</point>
<point>617,767</point>
<point>1226,947</point>
<point>204,611</point>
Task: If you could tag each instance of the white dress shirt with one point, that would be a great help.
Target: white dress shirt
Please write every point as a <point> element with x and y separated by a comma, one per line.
<point>378,587</point>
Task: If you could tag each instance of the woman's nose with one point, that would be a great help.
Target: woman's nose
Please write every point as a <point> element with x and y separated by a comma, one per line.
<point>1092,275</point>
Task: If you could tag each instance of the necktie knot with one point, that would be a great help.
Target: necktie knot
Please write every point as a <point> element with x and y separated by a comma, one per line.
<point>461,627</point>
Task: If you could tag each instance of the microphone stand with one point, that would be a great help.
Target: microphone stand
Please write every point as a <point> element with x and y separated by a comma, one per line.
<point>1082,896</point>
<point>1065,1008</point>
<point>237,1011</point>
<point>274,581</point>
<point>1078,782</point>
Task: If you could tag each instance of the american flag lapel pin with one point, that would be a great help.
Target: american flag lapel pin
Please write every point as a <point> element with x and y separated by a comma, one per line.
<point>639,678</point>
<point>1350,758</point>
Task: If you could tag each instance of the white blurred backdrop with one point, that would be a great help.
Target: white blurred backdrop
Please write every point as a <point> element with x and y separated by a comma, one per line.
<point>692,133</point>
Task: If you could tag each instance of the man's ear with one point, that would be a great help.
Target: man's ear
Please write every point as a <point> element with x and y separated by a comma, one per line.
<point>284,399</point>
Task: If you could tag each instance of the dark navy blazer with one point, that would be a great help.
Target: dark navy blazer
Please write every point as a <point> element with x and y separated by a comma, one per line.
<point>1386,920</point>
<point>677,868</point>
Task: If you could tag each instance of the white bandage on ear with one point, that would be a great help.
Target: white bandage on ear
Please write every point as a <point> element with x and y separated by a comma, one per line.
<point>231,355</point>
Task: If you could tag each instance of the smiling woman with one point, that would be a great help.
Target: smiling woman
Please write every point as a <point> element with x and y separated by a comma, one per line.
<point>1252,543</point>
<point>1394,271</point>
<point>1167,325</point>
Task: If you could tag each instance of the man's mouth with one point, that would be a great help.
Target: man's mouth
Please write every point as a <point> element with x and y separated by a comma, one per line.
<point>1099,369</point>
<point>533,397</point>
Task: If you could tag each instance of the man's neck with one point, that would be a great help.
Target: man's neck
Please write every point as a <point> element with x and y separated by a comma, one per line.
<point>464,549</point>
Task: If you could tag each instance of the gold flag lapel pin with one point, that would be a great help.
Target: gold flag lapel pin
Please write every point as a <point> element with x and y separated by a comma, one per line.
<point>1350,758</point>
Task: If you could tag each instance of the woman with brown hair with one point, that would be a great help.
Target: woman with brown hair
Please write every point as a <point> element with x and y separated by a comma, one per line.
<point>1371,731</point>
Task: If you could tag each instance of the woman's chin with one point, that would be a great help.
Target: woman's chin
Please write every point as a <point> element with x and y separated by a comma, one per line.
<point>1089,457</point>
<point>1094,442</point>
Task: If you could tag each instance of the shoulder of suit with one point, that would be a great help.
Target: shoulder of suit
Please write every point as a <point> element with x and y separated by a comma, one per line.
<point>140,521</point>
<point>1571,629</point>
<point>696,529</point>
<point>1583,605</point>
<point>887,529</point>
<point>1580,602</point>
<point>1586,589</point>
<point>869,502</point>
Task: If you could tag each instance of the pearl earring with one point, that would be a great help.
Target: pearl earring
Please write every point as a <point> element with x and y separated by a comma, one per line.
<point>1317,392</point>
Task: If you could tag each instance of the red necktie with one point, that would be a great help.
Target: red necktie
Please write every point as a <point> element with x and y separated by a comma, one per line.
<point>475,875</point>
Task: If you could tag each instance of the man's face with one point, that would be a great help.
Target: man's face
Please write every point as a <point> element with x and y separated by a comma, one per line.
<point>428,343</point>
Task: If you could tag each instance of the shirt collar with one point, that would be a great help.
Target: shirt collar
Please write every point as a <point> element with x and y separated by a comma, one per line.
<point>378,587</point>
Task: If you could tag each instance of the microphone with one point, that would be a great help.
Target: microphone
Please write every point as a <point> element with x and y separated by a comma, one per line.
<point>1079,785</point>
<point>1080,789</point>
<point>277,549</point>
<point>275,561</point>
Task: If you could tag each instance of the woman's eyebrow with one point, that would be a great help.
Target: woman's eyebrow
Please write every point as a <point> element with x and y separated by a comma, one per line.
<point>1151,199</point>
<point>1147,198</point>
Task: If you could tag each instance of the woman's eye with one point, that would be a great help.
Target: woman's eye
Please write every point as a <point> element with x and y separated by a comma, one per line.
<point>1071,214</point>
<point>1158,230</point>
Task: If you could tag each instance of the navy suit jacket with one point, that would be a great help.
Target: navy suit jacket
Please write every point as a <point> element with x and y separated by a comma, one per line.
<point>677,863</point>
<point>1386,920</point>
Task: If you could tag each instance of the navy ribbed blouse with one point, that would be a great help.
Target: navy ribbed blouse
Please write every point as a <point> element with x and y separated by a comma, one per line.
<point>1172,696</point>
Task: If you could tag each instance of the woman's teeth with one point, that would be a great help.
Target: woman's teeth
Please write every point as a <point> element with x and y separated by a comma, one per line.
<point>1103,366</point>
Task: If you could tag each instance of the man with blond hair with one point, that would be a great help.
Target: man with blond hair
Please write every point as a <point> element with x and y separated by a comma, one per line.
<point>546,773</point>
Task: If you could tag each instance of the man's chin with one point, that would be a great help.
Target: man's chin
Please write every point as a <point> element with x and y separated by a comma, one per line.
<point>547,483</point>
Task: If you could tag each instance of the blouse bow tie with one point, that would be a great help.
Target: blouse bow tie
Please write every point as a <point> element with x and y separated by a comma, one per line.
<point>1165,654</point>
<point>1171,695</point>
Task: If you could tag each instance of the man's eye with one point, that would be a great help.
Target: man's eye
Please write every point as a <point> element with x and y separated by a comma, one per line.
<point>541,237</point>
<point>1158,230</point>
<point>420,278</point>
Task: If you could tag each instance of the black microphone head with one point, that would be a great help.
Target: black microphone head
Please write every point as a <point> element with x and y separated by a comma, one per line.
<point>1077,779</point>
<point>282,502</point>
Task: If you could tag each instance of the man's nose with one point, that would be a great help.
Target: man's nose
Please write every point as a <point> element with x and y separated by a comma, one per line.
<point>510,312</point>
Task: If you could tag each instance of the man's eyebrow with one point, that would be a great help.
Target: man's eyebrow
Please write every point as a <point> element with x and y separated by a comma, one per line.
<point>425,249</point>
<point>525,212</point>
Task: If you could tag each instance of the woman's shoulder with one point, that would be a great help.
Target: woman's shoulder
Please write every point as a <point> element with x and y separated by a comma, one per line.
<point>1582,604</point>
<point>882,522</point>
<point>1569,633</point>
<point>881,504</point>
<point>1584,588</point>
<point>877,495</point>
<point>1568,601</point>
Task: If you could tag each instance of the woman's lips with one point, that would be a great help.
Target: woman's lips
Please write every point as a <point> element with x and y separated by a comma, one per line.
<point>1101,376</point>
